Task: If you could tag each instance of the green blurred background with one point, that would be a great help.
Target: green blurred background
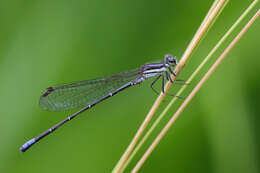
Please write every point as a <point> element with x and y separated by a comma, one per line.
<point>44,43</point>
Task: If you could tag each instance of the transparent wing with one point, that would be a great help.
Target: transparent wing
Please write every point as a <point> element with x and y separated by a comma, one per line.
<point>78,94</point>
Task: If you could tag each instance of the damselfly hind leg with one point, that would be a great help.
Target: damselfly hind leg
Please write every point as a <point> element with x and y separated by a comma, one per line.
<point>168,78</point>
<point>163,83</point>
<point>156,79</point>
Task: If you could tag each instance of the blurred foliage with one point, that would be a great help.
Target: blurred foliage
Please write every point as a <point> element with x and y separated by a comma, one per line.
<point>43,43</point>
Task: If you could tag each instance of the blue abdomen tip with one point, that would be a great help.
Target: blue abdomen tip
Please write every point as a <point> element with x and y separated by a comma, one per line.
<point>27,145</point>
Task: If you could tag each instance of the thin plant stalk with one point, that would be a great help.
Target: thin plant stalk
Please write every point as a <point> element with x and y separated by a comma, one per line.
<point>213,6</point>
<point>194,91</point>
<point>183,60</point>
<point>157,121</point>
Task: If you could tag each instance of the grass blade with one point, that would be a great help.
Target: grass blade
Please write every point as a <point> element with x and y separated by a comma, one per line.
<point>157,121</point>
<point>194,91</point>
<point>187,54</point>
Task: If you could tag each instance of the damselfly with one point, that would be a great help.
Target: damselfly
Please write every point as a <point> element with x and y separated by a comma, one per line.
<point>91,92</point>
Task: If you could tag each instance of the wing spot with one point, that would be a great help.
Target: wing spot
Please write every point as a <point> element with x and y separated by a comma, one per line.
<point>48,91</point>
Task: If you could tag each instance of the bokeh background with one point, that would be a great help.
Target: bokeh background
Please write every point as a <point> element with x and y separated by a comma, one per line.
<point>44,43</point>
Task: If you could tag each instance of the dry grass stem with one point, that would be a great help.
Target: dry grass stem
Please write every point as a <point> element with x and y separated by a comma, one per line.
<point>183,60</point>
<point>194,91</point>
<point>189,81</point>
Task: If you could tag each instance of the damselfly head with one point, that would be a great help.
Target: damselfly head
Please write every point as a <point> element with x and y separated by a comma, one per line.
<point>169,59</point>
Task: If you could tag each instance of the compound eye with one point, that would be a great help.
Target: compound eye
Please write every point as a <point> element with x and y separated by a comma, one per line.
<point>168,57</point>
<point>174,61</point>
